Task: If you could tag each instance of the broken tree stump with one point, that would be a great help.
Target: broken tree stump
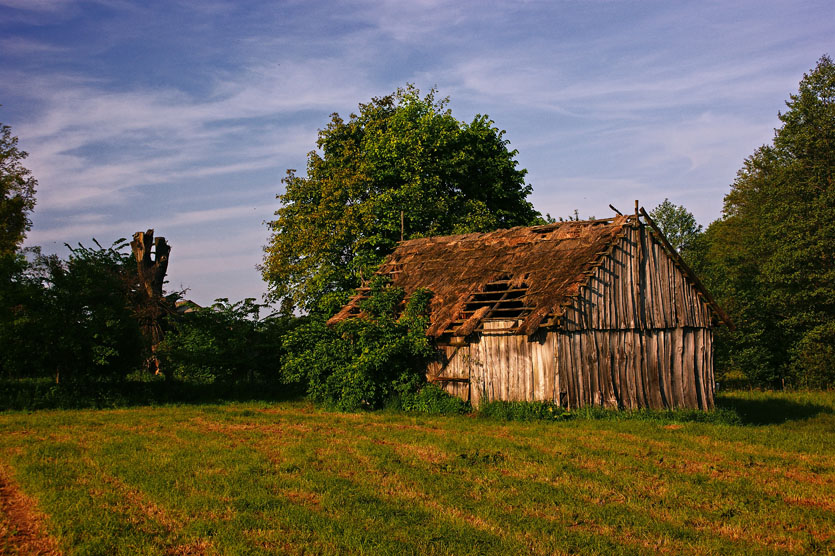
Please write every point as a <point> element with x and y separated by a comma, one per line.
<point>151,270</point>
<point>152,264</point>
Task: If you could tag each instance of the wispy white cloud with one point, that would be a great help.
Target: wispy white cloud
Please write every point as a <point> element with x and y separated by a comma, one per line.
<point>22,46</point>
<point>168,135</point>
<point>607,102</point>
<point>102,226</point>
<point>38,5</point>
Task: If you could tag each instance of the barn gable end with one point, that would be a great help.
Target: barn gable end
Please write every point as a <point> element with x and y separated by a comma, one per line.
<point>598,312</point>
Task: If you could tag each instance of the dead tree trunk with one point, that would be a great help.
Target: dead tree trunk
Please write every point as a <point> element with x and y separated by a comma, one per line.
<point>152,264</point>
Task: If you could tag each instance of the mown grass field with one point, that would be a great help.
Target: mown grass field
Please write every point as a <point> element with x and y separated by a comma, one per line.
<point>259,478</point>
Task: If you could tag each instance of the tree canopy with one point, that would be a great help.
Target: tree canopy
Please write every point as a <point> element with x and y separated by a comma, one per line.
<point>771,257</point>
<point>401,152</point>
<point>677,223</point>
<point>17,193</point>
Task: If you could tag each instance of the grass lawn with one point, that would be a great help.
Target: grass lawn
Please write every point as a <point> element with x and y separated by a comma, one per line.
<point>259,478</point>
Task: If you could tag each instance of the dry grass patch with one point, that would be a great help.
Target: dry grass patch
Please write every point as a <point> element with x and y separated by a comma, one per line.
<point>22,527</point>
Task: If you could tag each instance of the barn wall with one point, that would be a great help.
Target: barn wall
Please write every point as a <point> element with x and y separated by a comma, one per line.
<point>638,335</point>
<point>500,366</point>
<point>664,368</point>
<point>624,293</point>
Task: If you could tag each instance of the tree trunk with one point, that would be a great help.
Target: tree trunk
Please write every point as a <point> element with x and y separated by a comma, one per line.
<point>152,264</point>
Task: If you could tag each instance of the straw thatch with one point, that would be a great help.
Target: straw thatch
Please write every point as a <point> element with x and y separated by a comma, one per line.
<point>521,273</point>
<point>538,269</point>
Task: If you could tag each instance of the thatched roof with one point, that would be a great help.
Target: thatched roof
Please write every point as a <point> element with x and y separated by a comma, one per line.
<point>521,273</point>
<point>529,275</point>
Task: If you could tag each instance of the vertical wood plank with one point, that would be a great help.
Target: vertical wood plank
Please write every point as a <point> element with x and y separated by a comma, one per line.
<point>651,365</point>
<point>609,369</point>
<point>623,375</point>
<point>559,385</point>
<point>675,364</point>
<point>669,385</point>
<point>689,371</point>
<point>698,352</point>
<point>711,376</point>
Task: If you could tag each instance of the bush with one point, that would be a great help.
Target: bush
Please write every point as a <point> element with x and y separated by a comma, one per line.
<point>224,344</point>
<point>362,362</point>
<point>72,320</point>
<point>432,400</point>
<point>814,358</point>
<point>138,389</point>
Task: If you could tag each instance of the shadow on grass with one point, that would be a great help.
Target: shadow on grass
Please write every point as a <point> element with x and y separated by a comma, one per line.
<point>771,410</point>
<point>29,395</point>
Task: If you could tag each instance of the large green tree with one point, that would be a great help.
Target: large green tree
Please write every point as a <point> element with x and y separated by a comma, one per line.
<point>771,258</point>
<point>17,193</point>
<point>401,152</point>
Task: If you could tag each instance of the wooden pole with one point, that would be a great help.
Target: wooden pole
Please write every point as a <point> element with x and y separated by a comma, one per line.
<point>401,225</point>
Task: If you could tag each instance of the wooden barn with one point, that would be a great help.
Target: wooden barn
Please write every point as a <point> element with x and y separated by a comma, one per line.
<point>599,312</point>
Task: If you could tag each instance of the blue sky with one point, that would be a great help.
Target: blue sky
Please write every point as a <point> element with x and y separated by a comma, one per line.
<point>183,115</point>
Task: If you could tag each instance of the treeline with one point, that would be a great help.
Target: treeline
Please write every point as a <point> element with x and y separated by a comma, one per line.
<point>72,335</point>
<point>403,167</point>
<point>770,259</point>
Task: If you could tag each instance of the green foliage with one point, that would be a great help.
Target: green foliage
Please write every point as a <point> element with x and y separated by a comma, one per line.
<point>523,411</point>
<point>17,193</point>
<point>73,319</point>
<point>771,259</point>
<point>94,328</point>
<point>361,362</point>
<point>677,224</point>
<point>23,305</point>
<point>718,416</point>
<point>224,343</point>
<point>431,400</point>
<point>138,389</point>
<point>546,411</point>
<point>815,356</point>
<point>401,152</point>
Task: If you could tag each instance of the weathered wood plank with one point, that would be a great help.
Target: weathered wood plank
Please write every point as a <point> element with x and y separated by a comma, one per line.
<point>664,361</point>
<point>651,365</point>
<point>676,357</point>
<point>698,368</point>
<point>709,358</point>
<point>559,384</point>
<point>689,372</point>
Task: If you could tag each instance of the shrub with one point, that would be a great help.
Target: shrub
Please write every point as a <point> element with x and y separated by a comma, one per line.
<point>74,319</point>
<point>362,362</point>
<point>225,343</point>
<point>814,358</point>
<point>432,400</point>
